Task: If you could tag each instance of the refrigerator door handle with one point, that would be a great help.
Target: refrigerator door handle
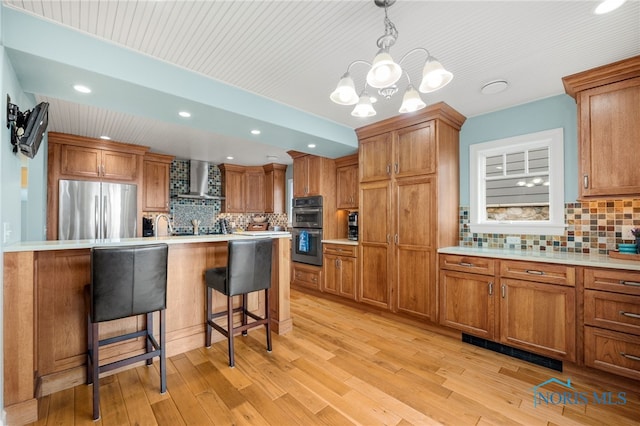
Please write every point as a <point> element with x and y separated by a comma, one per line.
<point>97,216</point>
<point>104,217</point>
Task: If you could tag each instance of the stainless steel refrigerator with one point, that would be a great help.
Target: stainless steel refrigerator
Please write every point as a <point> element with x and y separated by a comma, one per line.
<point>96,210</point>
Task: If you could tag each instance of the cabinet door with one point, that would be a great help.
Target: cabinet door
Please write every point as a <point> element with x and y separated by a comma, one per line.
<point>414,247</point>
<point>80,161</point>
<point>300,173</point>
<point>375,244</point>
<point>415,151</point>
<point>331,272</point>
<point>233,191</point>
<point>348,276</point>
<point>467,303</point>
<point>538,317</point>
<point>274,189</point>
<point>347,187</point>
<point>609,134</point>
<point>119,165</point>
<point>254,192</point>
<point>306,275</point>
<point>156,186</point>
<point>375,158</point>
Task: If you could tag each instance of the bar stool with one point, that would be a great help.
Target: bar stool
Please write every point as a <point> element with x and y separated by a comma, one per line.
<point>125,281</point>
<point>248,269</point>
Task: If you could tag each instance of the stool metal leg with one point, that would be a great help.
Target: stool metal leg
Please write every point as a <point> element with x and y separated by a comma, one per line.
<point>95,370</point>
<point>266,315</point>
<point>163,354</point>
<point>207,338</point>
<point>149,333</point>
<point>244,312</point>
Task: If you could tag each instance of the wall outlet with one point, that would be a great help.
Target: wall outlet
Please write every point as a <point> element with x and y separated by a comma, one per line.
<point>6,232</point>
<point>513,240</point>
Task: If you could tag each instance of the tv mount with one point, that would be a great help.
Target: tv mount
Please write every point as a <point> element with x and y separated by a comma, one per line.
<point>16,121</point>
<point>26,128</point>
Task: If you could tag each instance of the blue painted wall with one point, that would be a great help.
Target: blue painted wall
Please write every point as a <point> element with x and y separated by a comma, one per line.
<point>550,113</point>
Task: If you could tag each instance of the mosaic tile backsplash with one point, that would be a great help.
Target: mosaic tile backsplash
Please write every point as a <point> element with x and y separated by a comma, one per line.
<point>592,227</point>
<point>184,210</point>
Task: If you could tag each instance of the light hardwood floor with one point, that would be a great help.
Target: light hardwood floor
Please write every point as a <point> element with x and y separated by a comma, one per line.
<point>343,366</point>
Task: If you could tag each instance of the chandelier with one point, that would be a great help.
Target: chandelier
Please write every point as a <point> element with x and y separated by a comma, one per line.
<point>384,73</point>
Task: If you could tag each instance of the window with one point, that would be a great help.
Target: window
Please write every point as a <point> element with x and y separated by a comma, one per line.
<point>517,185</point>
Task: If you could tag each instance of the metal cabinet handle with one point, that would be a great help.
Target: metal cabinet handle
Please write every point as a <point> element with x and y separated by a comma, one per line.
<point>585,181</point>
<point>388,238</point>
<point>490,288</point>
<point>388,169</point>
<point>631,283</point>
<point>534,272</point>
<point>395,239</point>
<point>467,264</point>
<point>633,357</point>
<point>504,290</point>
<point>629,314</point>
<point>396,168</point>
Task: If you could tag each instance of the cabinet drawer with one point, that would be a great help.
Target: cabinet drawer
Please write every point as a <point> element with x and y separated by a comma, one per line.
<point>612,280</point>
<point>614,311</point>
<point>611,351</point>
<point>307,276</point>
<point>472,264</point>
<point>538,272</point>
<point>340,249</point>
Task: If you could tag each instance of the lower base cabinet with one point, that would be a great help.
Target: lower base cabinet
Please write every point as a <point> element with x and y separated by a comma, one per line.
<point>308,276</point>
<point>526,305</point>
<point>612,321</point>
<point>340,270</point>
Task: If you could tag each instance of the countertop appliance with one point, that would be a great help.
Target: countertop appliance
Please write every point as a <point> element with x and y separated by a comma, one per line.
<point>306,234</point>
<point>147,227</point>
<point>352,232</point>
<point>96,210</point>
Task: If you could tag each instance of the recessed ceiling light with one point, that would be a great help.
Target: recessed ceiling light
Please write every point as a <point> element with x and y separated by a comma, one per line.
<point>105,137</point>
<point>229,157</point>
<point>311,145</point>
<point>272,157</point>
<point>255,132</point>
<point>81,88</point>
<point>608,6</point>
<point>184,114</point>
<point>495,86</point>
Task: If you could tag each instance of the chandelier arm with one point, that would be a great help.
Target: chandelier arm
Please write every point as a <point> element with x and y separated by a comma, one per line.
<point>358,61</point>
<point>417,49</point>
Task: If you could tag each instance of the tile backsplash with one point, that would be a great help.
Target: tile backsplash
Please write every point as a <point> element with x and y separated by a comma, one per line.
<point>592,227</point>
<point>184,210</point>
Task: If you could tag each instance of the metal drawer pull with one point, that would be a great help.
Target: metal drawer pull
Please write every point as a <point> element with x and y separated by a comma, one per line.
<point>629,314</point>
<point>504,290</point>
<point>467,264</point>
<point>623,282</point>
<point>633,357</point>
<point>490,288</point>
<point>534,272</point>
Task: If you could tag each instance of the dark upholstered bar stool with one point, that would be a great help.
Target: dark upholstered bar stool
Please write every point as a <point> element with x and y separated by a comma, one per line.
<point>248,270</point>
<point>125,281</point>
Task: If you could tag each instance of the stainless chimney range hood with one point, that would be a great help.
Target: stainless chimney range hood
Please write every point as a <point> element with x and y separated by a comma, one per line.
<point>199,182</point>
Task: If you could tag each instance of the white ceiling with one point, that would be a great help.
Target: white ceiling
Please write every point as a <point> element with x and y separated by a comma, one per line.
<point>294,52</point>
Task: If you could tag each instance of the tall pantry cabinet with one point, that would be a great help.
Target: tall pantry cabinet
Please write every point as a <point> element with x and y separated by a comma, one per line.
<point>409,201</point>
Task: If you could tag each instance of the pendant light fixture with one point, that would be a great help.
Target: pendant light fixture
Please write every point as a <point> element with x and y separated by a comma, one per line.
<point>384,73</point>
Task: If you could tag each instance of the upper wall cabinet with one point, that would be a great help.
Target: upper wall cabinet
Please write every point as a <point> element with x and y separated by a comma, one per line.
<point>608,100</point>
<point>347,182</point>
<point>274,188</point>
<point>155,197</point>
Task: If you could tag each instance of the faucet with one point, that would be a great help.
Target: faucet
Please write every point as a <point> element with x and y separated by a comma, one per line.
<point>166,216</point>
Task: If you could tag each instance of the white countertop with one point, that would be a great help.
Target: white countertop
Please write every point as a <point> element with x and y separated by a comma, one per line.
<point>565,258</point>
<point>180,239</point>
<point>344,241</point>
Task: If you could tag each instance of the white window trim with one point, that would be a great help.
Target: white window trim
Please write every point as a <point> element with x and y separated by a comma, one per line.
<point>479,224</point>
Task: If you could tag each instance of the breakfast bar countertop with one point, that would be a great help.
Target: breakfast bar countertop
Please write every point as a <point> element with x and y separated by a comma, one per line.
<point>566,258</point>
<point>176,239</point>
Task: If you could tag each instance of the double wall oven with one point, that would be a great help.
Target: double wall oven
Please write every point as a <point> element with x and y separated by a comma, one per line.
<point>306,246</point>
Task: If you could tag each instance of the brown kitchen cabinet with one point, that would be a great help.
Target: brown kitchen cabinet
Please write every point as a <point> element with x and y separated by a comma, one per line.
<point>347,182</point>
<point>527,305</point>
<point>340,269</point>
<point>608,99</point>
<point>254,190</point>
<point>274,188</point>
<point>612,321</point>
<point>308,276</point>
<point>155,188</point>
<point>307,175</point>
<point>467,300</point>
<point>81,158</point>
<point>408,208</point>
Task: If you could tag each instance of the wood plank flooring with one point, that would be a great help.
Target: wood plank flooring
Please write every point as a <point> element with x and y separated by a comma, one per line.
<point>343,366</point>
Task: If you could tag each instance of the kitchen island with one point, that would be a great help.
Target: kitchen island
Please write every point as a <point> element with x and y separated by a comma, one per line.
<point>44,313</point>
